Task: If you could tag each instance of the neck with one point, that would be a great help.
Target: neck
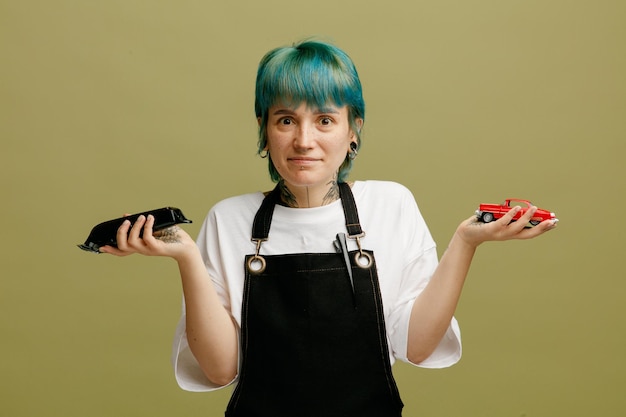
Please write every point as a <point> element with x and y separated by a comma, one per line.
<point>308,197</point>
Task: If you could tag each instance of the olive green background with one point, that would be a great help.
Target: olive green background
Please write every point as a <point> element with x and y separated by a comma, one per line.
<point>121,106</point>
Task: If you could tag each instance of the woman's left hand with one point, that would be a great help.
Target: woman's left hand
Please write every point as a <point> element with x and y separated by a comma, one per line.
<point>474,232</point>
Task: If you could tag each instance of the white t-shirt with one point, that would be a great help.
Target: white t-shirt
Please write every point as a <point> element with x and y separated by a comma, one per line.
<point>395,231</point>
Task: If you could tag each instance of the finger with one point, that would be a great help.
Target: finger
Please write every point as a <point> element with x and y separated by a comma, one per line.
<point>528,215</point>
<point>541,228</point>
<point>148,229</point>
<point>508,217</point>
<point>112,251</point>
<point>134,235</point>
<point>546,225</point>
<point>122,235</point>
<point>509,228</point>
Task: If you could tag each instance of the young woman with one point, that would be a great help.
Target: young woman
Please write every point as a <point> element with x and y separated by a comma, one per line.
<point>306,295</point>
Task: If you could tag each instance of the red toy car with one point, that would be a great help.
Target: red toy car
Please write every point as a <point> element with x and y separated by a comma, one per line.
<point>490,212</point>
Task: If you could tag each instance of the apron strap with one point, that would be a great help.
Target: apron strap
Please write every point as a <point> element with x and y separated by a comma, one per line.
<point>350,211</point>
<point>263,217</point>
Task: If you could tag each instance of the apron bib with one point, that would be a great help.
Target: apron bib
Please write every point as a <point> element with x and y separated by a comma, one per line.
<point>313,339</point>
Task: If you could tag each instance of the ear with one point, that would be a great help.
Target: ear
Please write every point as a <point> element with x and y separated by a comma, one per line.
<point>359,124</point>
<point>258,120</point>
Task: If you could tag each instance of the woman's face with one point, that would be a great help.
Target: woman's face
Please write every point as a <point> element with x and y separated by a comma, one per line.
<point>308,145</point>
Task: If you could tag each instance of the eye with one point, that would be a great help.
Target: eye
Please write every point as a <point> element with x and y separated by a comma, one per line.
<point>326,121</point>
<point>285,121</point>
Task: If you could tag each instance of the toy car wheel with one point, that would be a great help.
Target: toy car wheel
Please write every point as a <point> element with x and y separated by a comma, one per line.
<point>487,217</point>
<point>535,222</point>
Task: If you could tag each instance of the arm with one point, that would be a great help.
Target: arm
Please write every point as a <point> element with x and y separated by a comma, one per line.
<point>435,306</point>
<point>211,333</point>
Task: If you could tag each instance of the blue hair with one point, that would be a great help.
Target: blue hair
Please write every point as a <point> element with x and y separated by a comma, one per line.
<point>311,72</point>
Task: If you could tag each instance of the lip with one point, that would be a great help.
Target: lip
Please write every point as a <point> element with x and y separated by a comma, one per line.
<point>302,160</point>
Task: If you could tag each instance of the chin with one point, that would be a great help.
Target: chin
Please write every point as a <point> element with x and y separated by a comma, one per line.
<point>304,181</point>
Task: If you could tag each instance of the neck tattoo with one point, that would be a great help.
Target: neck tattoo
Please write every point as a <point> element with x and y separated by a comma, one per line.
<point>289,199</point>
<point>286,196</point>
<point>332,194</point>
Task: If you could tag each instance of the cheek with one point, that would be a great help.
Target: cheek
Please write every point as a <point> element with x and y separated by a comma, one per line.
<point>274,139</point>
<point>338,152</point>
<point>341,144</point>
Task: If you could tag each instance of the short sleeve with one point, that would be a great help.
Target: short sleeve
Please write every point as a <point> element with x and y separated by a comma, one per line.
<point>187,370</point>
<point>417,276</point>
<point>410,280</point>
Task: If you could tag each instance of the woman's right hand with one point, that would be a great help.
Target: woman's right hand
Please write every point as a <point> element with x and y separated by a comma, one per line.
<point>173,241</point>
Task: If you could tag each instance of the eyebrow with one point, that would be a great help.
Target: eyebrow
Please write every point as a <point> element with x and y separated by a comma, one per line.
<point>325,110</point>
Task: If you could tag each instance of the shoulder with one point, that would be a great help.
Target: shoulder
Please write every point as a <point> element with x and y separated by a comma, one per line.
<point>229,219</point>
<point>377,189</point>
<point>387,199</point>
<point>239,201</point>
<point>236,207</point>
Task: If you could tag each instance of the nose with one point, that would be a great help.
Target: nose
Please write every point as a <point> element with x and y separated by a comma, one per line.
<point>304,136</point>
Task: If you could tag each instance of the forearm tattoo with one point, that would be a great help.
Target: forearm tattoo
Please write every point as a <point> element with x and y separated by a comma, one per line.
<point>169,235</point>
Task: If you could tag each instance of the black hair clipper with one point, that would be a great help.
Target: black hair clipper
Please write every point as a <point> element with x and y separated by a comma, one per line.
<point>105,233</point>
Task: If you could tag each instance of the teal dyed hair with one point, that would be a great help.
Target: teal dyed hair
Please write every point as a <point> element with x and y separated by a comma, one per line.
<point>311,72</point>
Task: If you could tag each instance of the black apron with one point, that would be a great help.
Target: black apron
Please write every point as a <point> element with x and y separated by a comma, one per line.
<point>313,339</point>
